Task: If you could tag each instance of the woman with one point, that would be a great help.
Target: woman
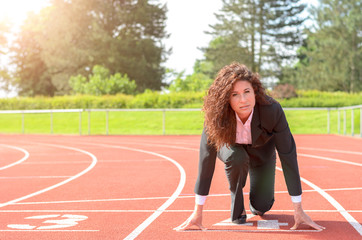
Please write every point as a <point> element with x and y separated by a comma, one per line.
<point>243,127</point>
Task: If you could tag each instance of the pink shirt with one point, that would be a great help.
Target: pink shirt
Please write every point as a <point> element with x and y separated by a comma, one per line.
<point>243,131</point>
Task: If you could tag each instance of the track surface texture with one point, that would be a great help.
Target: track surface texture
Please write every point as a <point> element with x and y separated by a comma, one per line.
<point>141,187</point>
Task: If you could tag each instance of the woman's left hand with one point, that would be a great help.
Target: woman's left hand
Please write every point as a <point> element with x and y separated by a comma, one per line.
<point>300,217</point>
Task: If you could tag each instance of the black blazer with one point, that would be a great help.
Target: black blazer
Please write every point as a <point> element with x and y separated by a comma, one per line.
<point>269,131</point>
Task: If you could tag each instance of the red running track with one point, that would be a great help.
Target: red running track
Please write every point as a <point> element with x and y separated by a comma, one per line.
<point>141,187</point>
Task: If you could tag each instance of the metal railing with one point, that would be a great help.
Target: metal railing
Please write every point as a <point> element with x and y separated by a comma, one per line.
<point>80,111</point>
<point>344,110</point>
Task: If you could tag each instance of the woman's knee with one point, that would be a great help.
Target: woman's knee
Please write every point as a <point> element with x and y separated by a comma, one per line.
<point>234,156</point>
<point>261,204</point>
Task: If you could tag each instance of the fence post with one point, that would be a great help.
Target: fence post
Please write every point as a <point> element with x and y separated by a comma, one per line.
<point>51,121</point>
<point>344,122</point>
<point>352,122</point>
<point>106,121</point>
<point>164,121</point>
<point>339,121</point>
<point>80,122</point>
<point>328,119</point>
<point>22,123</point>
<point>89,121</point>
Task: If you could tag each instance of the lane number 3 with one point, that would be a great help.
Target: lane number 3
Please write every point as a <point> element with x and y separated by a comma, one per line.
<point>55,221</point>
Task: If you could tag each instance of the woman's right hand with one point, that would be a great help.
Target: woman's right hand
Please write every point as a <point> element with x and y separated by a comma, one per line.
<point>194,220</point>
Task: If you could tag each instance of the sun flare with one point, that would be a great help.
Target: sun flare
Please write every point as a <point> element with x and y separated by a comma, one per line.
<point>16,11</point>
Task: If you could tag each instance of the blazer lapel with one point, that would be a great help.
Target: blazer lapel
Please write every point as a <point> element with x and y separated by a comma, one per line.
<point>255,126</point>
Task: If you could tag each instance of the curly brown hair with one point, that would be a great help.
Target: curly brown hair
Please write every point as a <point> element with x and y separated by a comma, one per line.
<point>220,120</point>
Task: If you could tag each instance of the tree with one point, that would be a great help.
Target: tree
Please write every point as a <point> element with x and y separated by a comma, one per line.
<point>260,33</point>
<point>4,29</point>
<point>4,74</point>
<point>222,51</point>
<point>195,82</point>
<point>32,76</point>
<point>72,36</point>
<point>101,82</point>
<point>129,37</point>
<point>330,59</point>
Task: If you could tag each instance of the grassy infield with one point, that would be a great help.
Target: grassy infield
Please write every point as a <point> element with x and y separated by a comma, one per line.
<point>300,122</point>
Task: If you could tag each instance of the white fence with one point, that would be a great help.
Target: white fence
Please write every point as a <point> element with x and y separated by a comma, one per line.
<point>80,111</point>
<point>339,110</point>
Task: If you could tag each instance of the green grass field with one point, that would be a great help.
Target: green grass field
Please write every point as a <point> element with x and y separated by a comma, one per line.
<point>151,122</point>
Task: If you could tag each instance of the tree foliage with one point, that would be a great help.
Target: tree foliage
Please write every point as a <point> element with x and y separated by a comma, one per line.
<point>71,36</point>
<point>32,77</point>
<point>330,59</point>
<point>101,82</point>
<point>195,82</point>
<point>198,81</point>
<point>258,33</point>
<point>4,76</point>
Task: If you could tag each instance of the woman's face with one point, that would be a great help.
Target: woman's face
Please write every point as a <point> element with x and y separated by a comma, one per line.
<point>242,99</point>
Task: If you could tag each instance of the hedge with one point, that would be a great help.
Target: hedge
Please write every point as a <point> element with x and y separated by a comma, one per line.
<point>153,99</point>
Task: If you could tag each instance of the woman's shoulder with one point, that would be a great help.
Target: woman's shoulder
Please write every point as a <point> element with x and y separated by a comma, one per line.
<point>271,106</point>
<point>270,113</point>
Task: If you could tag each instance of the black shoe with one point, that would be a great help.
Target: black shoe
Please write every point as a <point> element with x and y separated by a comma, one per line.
<point>240,220</point>
<point>254,211</point>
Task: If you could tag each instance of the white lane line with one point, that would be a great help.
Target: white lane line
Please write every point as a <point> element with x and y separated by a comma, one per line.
<point>49,230</point>
<point>152,211</point>
<point>256,231</point>
<point>94,161</point>
<point>154,145</point>
<point>330,150</point>
<point>34,177</point>
<point>345,214</point>
<point>160,198</point>
<point>57,162</point>
<point>95,200</point>
<point>300,154</point>
<point>164,206</point>
<point>334,203</point>
<point>17,162</point>
<point>99,161</point>
<point>330,159</point>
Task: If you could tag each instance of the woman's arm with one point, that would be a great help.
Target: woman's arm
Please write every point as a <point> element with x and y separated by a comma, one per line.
<point>288,157</point>
<point>207,159</point>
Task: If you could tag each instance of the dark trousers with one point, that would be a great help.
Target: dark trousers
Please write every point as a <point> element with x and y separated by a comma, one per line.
<point>238,162</point>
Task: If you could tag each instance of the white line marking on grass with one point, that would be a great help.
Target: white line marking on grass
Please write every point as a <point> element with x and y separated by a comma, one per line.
<point>94,161</point>
<point>17,162</point>
<point>331,159</point>
<point>164,206</point>
<point>334,203</point>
